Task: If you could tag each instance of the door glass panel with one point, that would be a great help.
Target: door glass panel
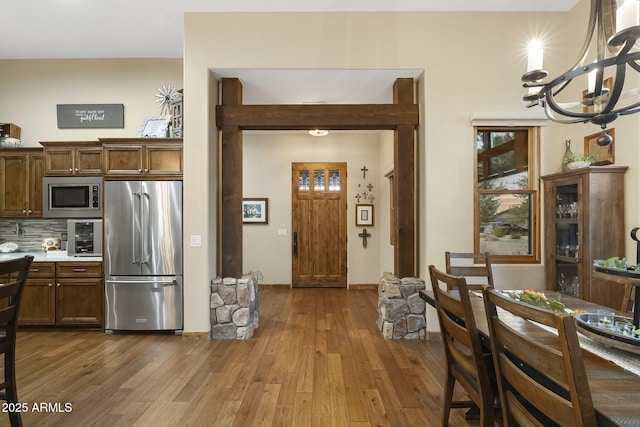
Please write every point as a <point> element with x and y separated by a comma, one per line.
<point>303,180</point>
<point>334,180</point>
<point>567,242</point>
<point>318,180</point>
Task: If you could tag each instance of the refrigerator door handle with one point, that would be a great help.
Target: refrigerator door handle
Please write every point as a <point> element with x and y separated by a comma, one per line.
<point>134,243</point>
<point>146,230</point>
<point>144,282</point>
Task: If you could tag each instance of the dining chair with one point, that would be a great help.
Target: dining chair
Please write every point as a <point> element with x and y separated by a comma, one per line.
<point>628,298</point>
<point>466,362</point>
<point>474,267</point>
<point>14,273</point>
<point>541,375</point>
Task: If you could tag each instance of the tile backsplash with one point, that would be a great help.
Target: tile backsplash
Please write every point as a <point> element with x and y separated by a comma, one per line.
<point>28,234</point>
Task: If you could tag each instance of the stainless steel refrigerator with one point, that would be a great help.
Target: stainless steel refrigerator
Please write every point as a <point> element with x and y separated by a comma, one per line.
<point>143,255</point>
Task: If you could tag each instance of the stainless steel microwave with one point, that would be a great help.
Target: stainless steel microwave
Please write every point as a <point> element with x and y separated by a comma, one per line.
<point>72,197</point>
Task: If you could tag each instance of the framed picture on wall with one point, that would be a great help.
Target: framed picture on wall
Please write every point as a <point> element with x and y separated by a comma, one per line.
<point>255,211</point>
<point>601,155</point>
<point>364,214</point>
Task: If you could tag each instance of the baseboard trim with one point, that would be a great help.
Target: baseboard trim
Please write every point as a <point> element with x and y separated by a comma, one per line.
<point>197,335</point>
<point>356,286</point>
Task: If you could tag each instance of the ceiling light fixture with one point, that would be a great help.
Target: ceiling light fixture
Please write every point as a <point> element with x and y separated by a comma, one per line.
<point>319,132</point>
<point>599,72</point>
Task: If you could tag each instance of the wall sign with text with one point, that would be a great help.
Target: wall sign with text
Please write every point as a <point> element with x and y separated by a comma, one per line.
<point>78,116</point>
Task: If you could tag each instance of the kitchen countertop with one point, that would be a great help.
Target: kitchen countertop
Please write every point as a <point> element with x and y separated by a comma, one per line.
<point>51,256</point>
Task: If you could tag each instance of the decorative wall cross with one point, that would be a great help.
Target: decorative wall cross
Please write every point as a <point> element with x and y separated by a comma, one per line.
<point>364,171</point>
<point>364,236</point>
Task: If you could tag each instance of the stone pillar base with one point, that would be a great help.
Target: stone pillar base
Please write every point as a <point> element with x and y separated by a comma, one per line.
<point>234,307</point>
<point>401,311</point>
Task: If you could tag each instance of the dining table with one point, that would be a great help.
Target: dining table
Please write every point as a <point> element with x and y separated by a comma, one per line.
<point>615,390</point>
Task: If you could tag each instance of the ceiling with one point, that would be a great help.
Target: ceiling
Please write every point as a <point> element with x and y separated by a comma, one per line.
<point>154,28</point>
<point>40,29</point>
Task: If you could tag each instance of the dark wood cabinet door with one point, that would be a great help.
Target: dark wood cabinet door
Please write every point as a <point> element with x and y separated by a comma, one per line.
<point>59,161</point>
<point>79,301</point>
<point>38,302</point>
<point>88,161</point>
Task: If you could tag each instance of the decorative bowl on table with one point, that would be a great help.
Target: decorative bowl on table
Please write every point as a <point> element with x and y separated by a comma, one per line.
<point>8,247</point>
<point>622,334</point>
<point>538,299</point>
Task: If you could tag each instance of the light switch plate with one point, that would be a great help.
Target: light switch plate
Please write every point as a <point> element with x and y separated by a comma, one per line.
<point>195,241</point>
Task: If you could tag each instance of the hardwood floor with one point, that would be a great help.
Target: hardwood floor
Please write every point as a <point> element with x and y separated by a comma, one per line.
<point>317,359</point>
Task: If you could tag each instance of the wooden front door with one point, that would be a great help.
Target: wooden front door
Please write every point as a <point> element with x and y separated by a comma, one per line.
<point>319,224</point>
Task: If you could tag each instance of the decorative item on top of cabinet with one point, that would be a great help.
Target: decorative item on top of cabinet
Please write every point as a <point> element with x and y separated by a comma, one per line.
<point>69,158</point>
<point>583,221</point>
<point>176,116</point>
<point>21,172</point>
<point>144,158</point>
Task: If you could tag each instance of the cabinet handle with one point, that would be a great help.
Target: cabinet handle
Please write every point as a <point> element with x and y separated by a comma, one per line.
<point>76,169</point>
<point>35,270</point>
<point>50,284</point>
<point>139,170</point>
<point>70,170</point>
<point>58,284</point>
<point>79,270</point>
<point>146,170</point>
<point>30,211</point>
<point>24,211</point>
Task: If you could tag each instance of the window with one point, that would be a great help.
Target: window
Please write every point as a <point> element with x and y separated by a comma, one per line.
<point>506,196</point>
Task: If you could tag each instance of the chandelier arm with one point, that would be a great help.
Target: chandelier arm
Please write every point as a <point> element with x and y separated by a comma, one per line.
<point>549,113</point>
<point>618,83</point>
<point>553,105</point>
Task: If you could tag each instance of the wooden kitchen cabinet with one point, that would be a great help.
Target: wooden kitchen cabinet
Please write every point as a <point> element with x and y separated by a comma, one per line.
<point>584,221</point>
<point>143,158</point>
<point>79,293</point>
<point>64,294</point>
<point>38,300</point>
<point>76,158</point>
<point>21,172</point>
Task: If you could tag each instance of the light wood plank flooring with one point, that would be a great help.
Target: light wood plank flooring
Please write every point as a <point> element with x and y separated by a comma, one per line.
<point>317,359</point>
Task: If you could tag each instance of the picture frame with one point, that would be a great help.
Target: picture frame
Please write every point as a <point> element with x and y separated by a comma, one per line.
<point>364,214</point>
<point>601,155</point>
<point>255,211</point>
<point>155,127</point>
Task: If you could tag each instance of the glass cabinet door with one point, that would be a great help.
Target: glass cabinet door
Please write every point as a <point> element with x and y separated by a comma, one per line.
<point>567,239</point>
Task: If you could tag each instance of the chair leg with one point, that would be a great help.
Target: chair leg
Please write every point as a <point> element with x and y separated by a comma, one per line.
<point>449,385</point>
<point>12,390</point>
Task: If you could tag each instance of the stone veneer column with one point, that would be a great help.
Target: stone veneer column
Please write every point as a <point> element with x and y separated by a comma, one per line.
<point>234,307</point>
<point>401,311</point>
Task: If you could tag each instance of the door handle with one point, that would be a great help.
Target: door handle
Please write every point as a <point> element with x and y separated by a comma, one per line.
<point>295,243</point>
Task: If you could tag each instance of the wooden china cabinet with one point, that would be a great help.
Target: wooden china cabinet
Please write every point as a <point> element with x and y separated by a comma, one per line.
<point>584,221</point>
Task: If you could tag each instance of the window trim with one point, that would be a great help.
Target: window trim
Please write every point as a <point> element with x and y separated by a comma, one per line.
<point>533,142</point>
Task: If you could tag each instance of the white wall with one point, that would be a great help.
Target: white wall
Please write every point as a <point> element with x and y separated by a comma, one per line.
<point>267,161</point>
<point>30,90</point>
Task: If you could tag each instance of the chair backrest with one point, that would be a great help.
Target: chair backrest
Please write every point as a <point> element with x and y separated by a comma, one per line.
<point>474,267</point>
<point>541,375</point>
<point>463,348</point>
<point>13,278</point>
<point>628,298</point>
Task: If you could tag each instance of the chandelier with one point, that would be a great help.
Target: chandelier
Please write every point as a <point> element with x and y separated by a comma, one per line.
<point>606,56</point>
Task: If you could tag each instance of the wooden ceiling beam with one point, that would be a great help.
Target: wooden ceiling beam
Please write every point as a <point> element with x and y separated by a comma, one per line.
<point>325,116</point>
